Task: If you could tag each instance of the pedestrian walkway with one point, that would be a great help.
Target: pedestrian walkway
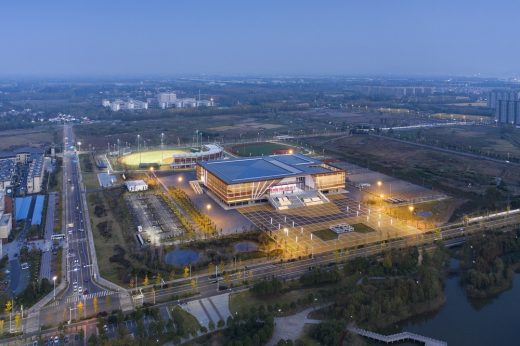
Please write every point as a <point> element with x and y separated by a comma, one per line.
<point>399,337</point>
<point>290,327</point>
<point>209,309</point>
<point>81,297</point>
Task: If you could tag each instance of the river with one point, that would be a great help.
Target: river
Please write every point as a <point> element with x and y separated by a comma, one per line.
<point>459,322</point>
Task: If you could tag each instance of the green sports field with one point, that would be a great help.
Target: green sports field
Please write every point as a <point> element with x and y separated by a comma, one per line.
<point>160,157</point>
<point>259,149</point>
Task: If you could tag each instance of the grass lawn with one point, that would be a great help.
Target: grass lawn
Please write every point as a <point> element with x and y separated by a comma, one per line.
<point>326,234</point>
<point>189,322</point>
<point>362,228</point>
<point>37,136</point>
<point>243,301</point>
<point>90,180</point>
<point>86,163</point>
<point>105,246</point>
<point>259,149</point>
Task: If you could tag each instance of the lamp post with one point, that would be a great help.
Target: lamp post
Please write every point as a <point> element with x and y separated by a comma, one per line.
<point>54,282</point>
<point>79,145</point>
<point>138,148</point>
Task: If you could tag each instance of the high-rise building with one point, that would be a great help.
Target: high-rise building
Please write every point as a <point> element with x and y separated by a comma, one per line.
<point>497,95</point>
<point>166,100</point>
<point>508,112</point>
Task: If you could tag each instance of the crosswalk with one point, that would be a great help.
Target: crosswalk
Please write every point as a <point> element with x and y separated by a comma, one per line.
<point>83,297</point>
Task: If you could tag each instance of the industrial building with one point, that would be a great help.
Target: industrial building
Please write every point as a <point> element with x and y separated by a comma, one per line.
<point>286,181</point>
<point>26,165</point>
<point>6,222</point>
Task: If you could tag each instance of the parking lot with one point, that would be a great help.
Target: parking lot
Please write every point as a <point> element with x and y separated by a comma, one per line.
<point>377,185</point>
<point>153,215</point>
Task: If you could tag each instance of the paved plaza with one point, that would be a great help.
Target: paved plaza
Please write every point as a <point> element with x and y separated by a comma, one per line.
<point>293,229</point>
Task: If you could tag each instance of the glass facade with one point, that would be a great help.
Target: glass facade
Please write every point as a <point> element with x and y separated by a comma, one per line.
<point>253,192</point>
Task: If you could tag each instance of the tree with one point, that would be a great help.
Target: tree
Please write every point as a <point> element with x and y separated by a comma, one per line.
<point>211,325</point>
<point>93,340</point>
<point>186,272</point>
<point>211,269</point>
<point>80,309</point>
<point>146,281</point>
<point>158,279</point>
<point>387,260</point>
<point>95,304</point>
<point>17,321</point>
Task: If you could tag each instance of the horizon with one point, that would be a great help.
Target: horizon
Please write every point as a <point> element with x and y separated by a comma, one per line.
<point>405,39</point>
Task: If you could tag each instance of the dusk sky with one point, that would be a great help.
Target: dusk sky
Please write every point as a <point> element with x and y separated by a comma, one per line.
<point>267,37</point>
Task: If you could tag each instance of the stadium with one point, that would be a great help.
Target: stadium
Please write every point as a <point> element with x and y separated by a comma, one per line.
<point>174,158</point>
<point>285,181</point>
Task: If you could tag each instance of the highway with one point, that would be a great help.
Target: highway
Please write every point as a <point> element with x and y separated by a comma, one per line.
<point>82,296</point>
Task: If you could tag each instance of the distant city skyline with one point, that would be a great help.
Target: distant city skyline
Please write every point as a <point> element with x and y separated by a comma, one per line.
<point>372,37</point>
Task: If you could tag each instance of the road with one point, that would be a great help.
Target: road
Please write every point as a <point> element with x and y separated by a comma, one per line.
<point>82,296</point>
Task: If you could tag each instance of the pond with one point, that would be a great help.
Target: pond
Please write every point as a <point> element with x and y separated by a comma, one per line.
<point>424,214</point>
<point>245,246</point>
<point>462,322</point>
<point>181,257</point>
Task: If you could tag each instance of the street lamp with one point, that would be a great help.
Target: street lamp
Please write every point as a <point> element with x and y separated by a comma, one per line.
<point>79,145</point>
<point>379,183</point>
<point>208,206</point>
<point>411,208</point>
<point>54,281</point>
<point>179,179</point>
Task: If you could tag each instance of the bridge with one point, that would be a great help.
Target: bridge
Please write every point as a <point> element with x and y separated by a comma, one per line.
<point>399,337</point>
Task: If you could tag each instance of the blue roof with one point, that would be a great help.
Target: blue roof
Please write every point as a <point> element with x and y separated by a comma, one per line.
<point>249,169</point>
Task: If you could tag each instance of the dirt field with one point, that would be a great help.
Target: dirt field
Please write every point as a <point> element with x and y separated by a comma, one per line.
<point>179,130</point>
<point>32,137</point>
<point>429,168</point>
<point>246,126</point>
<point>478,139</point>
<point>259,149</point>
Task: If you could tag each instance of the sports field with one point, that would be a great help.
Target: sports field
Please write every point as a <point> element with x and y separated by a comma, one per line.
<point>260,148</point>
<point>161,157</point>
